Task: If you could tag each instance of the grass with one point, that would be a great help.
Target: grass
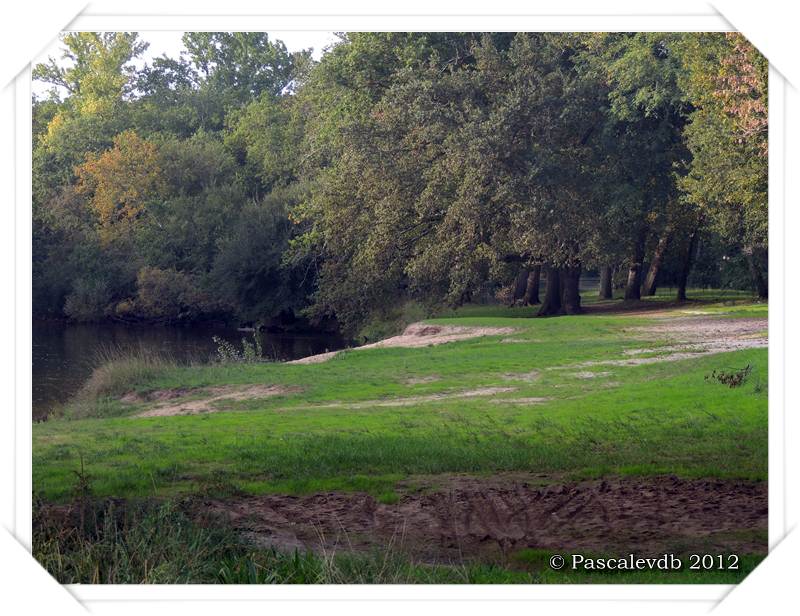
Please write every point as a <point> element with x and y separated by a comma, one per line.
<point>631,420</point>
<point>117,373</point>
<point>147,542</point>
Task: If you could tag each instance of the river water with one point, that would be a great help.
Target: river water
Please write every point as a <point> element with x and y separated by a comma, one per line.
<point>64,355</point>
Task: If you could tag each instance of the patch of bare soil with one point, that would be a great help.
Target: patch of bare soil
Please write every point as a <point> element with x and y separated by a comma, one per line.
<point>157,395</point>
<point>590,375</point>
<point>691,337</point>
<point>409,400</point>
<point>422,380</point>
<point>187,402</point>
<point>528,377</point>
<point>418,335</point>
<point>473,517</point>
<point>530,400</point>
<point>709,329</point>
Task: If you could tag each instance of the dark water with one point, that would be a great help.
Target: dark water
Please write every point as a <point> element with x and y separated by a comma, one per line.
<point>65,354</point>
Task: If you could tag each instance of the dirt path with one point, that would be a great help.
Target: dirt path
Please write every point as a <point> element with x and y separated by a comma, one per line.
<point>460,517</point>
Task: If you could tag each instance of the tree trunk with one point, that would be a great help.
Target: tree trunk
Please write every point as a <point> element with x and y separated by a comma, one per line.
<point>532,288</point>
<point>655,265</point>
<point>633,289</point>
<point>756,274</point>
<point>688,261</point>
<point>520,283</point>
<point>606,283</point>
<point>570,293</point>
<point>552,293</point>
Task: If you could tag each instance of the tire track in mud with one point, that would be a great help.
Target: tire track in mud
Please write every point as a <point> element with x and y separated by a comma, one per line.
<point>472,517</point>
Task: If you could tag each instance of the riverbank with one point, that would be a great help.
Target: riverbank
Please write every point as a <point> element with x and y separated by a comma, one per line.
<point>563,416</point>
<point>65,354</point>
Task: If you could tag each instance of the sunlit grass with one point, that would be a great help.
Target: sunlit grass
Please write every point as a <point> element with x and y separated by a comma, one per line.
<point>648,419</point>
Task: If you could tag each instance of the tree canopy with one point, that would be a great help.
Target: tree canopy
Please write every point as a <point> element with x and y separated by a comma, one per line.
<point>243,181</point>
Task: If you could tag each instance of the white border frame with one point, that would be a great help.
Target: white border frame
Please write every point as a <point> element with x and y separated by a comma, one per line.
<point>547,21</point>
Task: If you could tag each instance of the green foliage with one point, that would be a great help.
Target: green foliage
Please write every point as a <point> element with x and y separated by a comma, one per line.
<point>249,271</point>
<point>166,295</point>
<point>227,352</point>
<point>728,136</point>
<point>402,167</point>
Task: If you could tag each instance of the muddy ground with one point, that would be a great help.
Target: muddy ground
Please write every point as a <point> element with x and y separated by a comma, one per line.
<point>454,518</point>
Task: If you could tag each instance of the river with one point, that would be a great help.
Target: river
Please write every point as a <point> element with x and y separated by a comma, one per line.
<point>64,355</point>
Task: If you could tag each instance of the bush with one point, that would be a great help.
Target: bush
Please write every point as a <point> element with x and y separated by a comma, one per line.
<point>88,300</point>
<point>164,294</point>
<point>228,353</point>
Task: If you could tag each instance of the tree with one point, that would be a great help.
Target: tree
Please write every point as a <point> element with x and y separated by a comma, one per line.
<point>727,178</point>
<point>98,74</point>
<point>243,65</point>
<point>244,181</point>
<point>647,115</point>
<point>120,183</point>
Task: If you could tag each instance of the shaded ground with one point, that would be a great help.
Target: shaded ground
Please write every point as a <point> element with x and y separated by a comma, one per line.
<point>450,518</point>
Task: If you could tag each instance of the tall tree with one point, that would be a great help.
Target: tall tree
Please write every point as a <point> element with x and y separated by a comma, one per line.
<point>727,178</point>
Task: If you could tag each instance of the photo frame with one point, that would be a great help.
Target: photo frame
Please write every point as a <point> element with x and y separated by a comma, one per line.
<point>579,16</point>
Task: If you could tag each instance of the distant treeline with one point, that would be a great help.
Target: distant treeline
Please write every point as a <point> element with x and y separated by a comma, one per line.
<point>245,182</point>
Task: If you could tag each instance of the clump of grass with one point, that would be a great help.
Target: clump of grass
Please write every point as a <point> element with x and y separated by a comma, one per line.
<point>118,372</point>
<point>126,544</point>
<point>388,498</point>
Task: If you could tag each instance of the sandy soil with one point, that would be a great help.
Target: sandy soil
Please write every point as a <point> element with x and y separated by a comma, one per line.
<point>454,517</point>
<point>693,336</point>
<point>184,402</point>
<point>418,335</point>
<point>590,375</point>
<point>422,380</point>
<point>409,400</point>
<point>528,377</point>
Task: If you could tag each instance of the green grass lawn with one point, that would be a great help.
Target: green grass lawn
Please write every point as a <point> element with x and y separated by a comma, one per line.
<point>658,418</point>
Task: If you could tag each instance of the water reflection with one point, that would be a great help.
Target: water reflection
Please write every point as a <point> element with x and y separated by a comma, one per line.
<point>65,354</point>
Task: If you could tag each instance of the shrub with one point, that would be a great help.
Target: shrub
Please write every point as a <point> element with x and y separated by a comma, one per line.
<point>88,300</point>
<point>227,352</point>
<point>166,294</point>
